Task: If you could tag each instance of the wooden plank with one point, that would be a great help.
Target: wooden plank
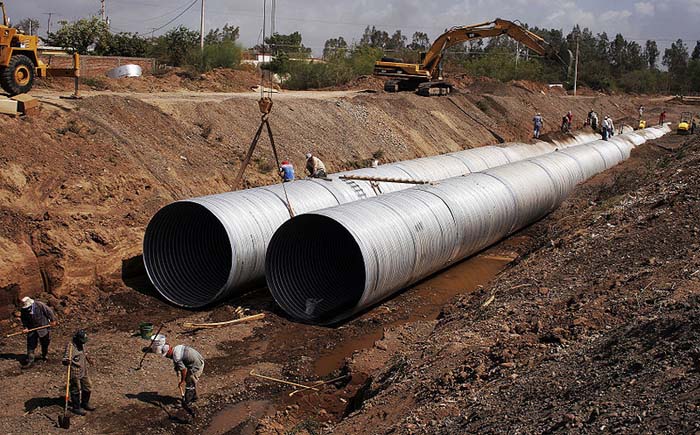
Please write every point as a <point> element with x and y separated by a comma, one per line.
<point>8,107</point>
<point>26,103</point>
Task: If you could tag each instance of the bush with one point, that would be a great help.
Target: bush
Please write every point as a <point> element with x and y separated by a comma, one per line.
<point>500,64</point>
<point>337,71</point>
<point>221,55</point>
<point>175,47</point>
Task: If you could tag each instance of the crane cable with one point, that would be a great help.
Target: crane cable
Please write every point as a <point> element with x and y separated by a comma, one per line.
<point>265,106</point>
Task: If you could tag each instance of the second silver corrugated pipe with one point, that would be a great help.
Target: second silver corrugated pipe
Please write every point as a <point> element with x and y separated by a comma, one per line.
<point>327,265</point>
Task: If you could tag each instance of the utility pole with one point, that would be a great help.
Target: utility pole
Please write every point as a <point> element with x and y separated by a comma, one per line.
<point>576,66</point>
<point>201,29</point>
<point>48,26</point>
<point>103,11</point>
<point>517,53</point>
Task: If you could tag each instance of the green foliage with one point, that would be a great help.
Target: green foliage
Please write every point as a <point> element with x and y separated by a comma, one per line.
<point>676,59</point>
<point>227,34</point>
<point>338,70</point>
<point>694,74</point>
<point>643,81</point>
<point>30,26</point>
<point>125,44</point>
<point>499,64</point>
<point>175,48</point>
<point>80,35</point>
<point>226,54</point>
<point>288,44</point>
<point>335,48</point>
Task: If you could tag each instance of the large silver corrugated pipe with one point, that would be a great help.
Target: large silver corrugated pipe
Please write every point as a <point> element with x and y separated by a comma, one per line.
<point>324,266</point>
<point>201,250</point>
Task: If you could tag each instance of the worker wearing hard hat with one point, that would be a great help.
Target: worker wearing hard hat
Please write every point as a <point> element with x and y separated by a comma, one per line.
<point>538,123</point>
<point>80,384</point>
<point>35,314</point>
<point>188,364</point>
<point>286,171</point>
<point>315,166</point>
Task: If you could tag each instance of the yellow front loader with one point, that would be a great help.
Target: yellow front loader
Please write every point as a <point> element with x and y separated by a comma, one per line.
<point>20,63</point>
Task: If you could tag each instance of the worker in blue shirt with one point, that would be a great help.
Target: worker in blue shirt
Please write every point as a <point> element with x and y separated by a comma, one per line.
<point>286,171</point>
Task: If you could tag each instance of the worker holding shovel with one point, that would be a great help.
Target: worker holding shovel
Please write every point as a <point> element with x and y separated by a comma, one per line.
<point>188,364</point>
<point>37,318</point>
<point>80,383</point>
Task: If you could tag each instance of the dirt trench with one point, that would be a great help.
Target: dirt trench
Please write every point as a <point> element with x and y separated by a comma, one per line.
<point>78,184</point>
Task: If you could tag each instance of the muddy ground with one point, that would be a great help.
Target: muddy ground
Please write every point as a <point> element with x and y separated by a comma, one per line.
<point>79,182</point>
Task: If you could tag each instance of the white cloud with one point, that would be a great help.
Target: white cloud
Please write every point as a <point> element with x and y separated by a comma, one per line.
<point>645,8</point>
<point>615,15</point>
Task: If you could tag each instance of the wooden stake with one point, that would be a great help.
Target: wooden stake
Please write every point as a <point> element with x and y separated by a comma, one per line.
<point>282,381</point>
<point>220,324</point>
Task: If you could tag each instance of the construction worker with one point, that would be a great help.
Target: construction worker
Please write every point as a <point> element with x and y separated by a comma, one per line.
<point>608,128</point>
<point>693,126</point>
<point>35,314</point>
<point>188,364</point>
<point>286,171</point>
<point>662,117</point>
<point>570,118</point>
<point>565,127</point>
<point>538,123</point>
<point>641,112</point>
<point>315,166</point>
<point>80,384</point>
<point>594,120</point>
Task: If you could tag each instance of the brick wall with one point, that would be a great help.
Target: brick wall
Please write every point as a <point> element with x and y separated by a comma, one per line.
<point>97,66</point>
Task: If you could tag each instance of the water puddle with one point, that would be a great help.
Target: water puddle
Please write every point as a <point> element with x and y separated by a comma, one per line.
<point>241,418</point>
<point>426,300</point>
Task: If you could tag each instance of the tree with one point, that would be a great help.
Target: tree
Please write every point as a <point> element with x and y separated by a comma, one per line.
<point>30,26</point>
<point>229,33</point>
<point>288,44</point>
<point>126,44</point>
<point>374,38</point>
<point>676,59</point>
<point>175,47</point>
<point>696,51</point>
<point>651,52</point>
<point>419,42</point>
<point>335,48</point>
<point>397,42</point>
<point>81,35</point>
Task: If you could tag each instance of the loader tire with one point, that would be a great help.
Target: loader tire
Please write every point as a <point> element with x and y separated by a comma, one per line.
<point>18,76</point>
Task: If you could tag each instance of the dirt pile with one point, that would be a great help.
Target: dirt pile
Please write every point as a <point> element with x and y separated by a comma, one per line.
<point>595,329</point>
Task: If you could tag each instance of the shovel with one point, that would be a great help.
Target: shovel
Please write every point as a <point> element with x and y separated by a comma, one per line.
<point>64,420</point>
<point>146,353</point>
<point>28,331</point>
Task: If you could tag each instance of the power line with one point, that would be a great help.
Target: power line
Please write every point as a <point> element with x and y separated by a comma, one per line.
<point>176,17</point>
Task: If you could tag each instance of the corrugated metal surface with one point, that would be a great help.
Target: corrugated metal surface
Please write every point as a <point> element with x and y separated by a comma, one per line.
<point>327,265</point>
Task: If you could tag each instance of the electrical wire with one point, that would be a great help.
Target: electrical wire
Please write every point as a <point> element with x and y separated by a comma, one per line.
<point>178,16</point>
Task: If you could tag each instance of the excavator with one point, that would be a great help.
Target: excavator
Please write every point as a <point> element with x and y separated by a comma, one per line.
<point>20,63</point>
<point>426,78</point>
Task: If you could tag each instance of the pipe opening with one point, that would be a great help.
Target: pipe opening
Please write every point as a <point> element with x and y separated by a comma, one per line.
<point>314,268</point>
<point>187,254</point>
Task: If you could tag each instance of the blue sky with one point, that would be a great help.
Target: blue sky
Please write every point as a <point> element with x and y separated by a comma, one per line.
<point>318,20</point>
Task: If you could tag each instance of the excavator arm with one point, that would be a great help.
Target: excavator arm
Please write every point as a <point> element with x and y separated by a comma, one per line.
<point>410,76</point>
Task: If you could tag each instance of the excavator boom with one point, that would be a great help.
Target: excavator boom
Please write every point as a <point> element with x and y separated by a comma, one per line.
<point>409,76</point>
